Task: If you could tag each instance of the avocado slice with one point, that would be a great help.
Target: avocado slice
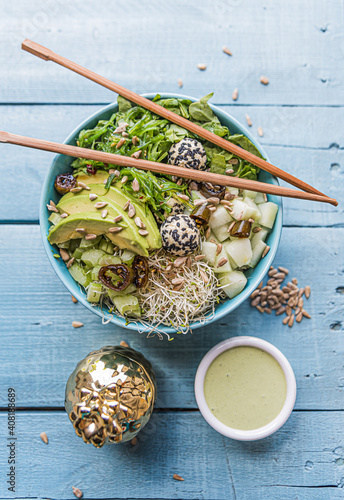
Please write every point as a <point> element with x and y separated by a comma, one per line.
<point>82,203</point>
<point>98,178</point>
<point>93,223</point>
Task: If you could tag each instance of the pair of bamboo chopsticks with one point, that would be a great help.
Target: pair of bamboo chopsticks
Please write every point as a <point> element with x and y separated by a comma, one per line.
<point>308,192</point>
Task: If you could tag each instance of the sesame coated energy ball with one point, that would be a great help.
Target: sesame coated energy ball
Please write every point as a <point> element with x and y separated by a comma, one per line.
<point>188,153</point>
<point>176,207</point>
<point>180,235</point>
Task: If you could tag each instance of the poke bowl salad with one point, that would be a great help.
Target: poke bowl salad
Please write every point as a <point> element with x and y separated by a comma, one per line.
<point>158,252</point>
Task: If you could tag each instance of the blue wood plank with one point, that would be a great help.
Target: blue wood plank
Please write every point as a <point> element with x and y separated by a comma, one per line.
<point>36,326</point>
<point>147,47</point>
<point>303,460</point>
<point>302,141</point>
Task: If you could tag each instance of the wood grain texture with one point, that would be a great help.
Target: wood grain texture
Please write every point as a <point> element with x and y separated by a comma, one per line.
<point>37,314</point>
<point>279,467</point>
<point>299,140</point>
<point>147,47</point>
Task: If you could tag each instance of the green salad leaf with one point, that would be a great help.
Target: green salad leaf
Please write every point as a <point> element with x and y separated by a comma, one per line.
<point>200,111</point>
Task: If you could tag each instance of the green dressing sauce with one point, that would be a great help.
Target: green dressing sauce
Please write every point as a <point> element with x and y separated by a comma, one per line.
<point>245,388</point>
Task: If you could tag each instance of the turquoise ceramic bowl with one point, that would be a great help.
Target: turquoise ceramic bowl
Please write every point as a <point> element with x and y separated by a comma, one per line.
<point>62,164</point>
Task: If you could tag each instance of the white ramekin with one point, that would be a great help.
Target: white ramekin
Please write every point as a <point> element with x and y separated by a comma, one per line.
<point>261,432</point>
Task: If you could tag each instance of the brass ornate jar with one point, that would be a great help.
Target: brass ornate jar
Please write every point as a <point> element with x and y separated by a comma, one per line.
<point>110,395</point>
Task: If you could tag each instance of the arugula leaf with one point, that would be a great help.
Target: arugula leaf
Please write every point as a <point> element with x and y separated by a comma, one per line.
<point>123,104</point>
<point>175,133</point>
<point>201,111</point>
<point>218,164</point>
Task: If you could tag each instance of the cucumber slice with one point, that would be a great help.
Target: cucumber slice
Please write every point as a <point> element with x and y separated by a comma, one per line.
<point>64,245</point>
<point>209,250</point>
<point>220,217</point>
<point>79,275</point>
<point>94,292</point>
<point>128,305</point>
<point>249,194</point>
<point>106,246</point>
<point>260,198</point>
<point>268,212</point>
<point>95,272</point>
<point>261,236</point>
<point>128,256</point>
<point>239,251</point>
<point>255,212</point>
<point>221,233</point>
<point>91,257</point>
<point>244,209</point>
<point>78,253</point>
<point>232,190</point>
<point>130,289</point>
<point>89,243</point>
<point>233,283</point>
<point>74,244</point>
<point>109,260</point>
<point>257,253</point>
<point>195,195</point>
<point>55,218</point>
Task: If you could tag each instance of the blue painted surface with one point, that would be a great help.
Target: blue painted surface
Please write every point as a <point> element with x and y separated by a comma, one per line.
<point>147,47</point>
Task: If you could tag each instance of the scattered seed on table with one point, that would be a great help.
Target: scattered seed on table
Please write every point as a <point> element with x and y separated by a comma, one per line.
<point>260,309</point>
<point>254,294</point>
<point>44,437</point>
<point>133,442</point>
<point>123,343</point>
<point>77,324</point>
<point>306,314</point>
<point>226,50</point>
<point>291,320</point>
<point>260,131</point>
<point>235,94</point>
<point>74,300</point>
<point>299,316</point>
<point>202,66</point>
<point>78,493</point>
<point>177,477</point>
<point>283,270</point>
<point>248,119</point>
<point>264,80</point>
<point>286,320</point>
<point>180,83</point>
<point>307,291</point>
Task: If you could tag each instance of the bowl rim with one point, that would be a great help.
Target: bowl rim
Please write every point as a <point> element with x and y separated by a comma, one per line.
<point>230,305</point>
<point>278,421</point>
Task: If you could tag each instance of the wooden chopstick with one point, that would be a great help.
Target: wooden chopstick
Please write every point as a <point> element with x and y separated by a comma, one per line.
<point>161,168</point>
<point>49,55</point>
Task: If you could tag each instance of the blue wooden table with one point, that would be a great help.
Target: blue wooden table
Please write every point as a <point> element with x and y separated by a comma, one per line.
<point>147,46</point>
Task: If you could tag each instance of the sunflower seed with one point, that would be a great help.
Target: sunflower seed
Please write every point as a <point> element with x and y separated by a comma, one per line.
<point>123,343</point>
<point>301,292</point>
<point>300,302</point>
<point>64,255</point>
<point>293,293</point>
<point>213,200</point>
<point>135,140</point>
<point>280,310</point>
<point>125,134</point>
<point>256,229</point>
<point>255,294</point>
<point>255,302</point>
<point>294,280</point>
<point>226,50</point>
<point>229,171</point>
<point>230,227</point>
<point>121,127</point>
<point>199,257</point>
<point>280,276</point>
<point>204,276</point>
<point>272,272</point>
<point>126,205</point>
<point>229,196</point>
<point>179,261</point>
<point>176,288</point>
<point>135,185</point>
<point>133,442</point>
<point>307,291</point>
<point>226,203</point>
<point>183,196</point>
<point>115,229</point>
<point>74,300</point>
<point>222,262</point>
<point>264,303</point>
<point>83,185</point>
<point>180,83</point>
<point>131,211</point>
<point>100,204</point>
<point>212,208</point>
<point>286,320</point>
<point>267,248</point>
<point>267,310</point>
<point>143,232</point>
<point>235,94</point>
<point>200,202</point>
<point>260,309</point>
<point>177,281</point>
<point>299,317</point>
<point>78,493</point>
<point>283,270</point>
<point>291,320</point>
<point>76,190</point>
<point>80,230</point>
<point>44,437</point>
<point>264,80</point>
<point>118,218</point>
<point>177,477</point>
<point>90,236</point>
<point>139,223</point>
<point>104,214</point>
<point>117,173</point>
<point>64,215</point>
<point>202,66</point>
<point>136,154</point>
<point>70,262</point>
<point>260,285</point>
<point>260,131</point>
<point>120,143</point>
<point>306,314</point>
<point>207,233</point>
<point>218,249</point>
<point>77,324</point>
<point>193,185</point>
<point>51,208</point>
<point>124,179</point>
<point>248,119</point>
<point>93,196</point>
<point>297,311</point>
